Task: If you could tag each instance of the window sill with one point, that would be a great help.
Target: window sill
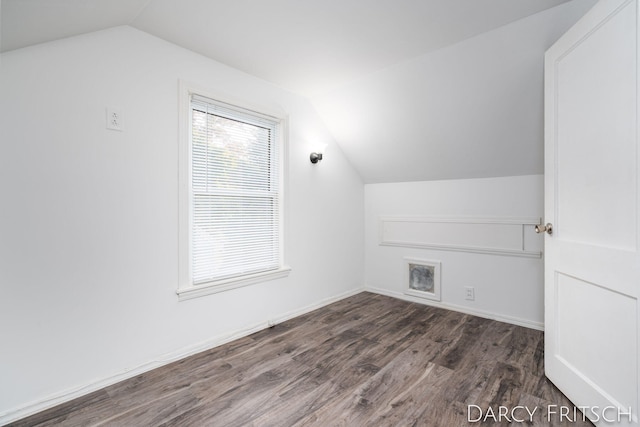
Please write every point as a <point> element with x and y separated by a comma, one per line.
<point>228,284</point>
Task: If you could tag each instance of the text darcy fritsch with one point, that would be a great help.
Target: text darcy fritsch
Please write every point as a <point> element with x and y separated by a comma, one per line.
<point>550,413</point>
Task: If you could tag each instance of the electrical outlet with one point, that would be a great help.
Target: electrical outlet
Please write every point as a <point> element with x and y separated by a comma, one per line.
<point>114,119</point>
<point>469,293</point>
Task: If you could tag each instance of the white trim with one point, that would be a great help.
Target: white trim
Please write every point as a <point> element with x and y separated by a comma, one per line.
<point>382,241</point>
<point>462,309</point>
<point>233,283</point>
<point>463,219</point>
<point>184,193</point>
<point>70,394</point>
<point>460,248</point>
<point>284,188</point>
<point>192,88</point>
<point>309,308</point>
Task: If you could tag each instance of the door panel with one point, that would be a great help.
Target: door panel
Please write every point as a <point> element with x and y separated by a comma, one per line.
<point>595,97</point>
<point>585,353</point>
<point>592,264</point>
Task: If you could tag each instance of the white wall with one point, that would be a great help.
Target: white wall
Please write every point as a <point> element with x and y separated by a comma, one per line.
<point>89,217</point>
<point>469,110</point>
<point>507,288</point>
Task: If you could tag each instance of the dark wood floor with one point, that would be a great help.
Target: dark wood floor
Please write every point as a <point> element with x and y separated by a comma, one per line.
<point>368,360</point>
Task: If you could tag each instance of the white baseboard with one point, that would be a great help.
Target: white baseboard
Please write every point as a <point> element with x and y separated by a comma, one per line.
<point>480,313</point>
<point>70,394</point>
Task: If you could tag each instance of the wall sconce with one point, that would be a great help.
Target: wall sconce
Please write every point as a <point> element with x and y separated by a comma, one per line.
<point>316,155</point>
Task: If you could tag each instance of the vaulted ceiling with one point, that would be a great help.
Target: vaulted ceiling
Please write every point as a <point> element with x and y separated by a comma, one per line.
<point>410,89</point>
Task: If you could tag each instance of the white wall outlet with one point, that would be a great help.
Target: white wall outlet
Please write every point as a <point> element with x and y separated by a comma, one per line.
<point>115,120</point>
<point>469,293</point>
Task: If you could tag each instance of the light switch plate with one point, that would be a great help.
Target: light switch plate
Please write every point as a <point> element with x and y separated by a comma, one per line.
<point>115,120</point>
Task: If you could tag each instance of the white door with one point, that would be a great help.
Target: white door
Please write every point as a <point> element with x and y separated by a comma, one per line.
<point>592,257</point>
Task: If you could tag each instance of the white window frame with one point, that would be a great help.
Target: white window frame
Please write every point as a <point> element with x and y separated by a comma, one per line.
<point>186,288</point>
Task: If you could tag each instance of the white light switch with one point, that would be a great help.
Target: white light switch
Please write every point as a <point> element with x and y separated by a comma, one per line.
<point>115,120</point>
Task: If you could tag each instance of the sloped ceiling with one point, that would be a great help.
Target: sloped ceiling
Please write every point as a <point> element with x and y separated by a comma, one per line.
<point>470,110</point>
<point>410,89</point>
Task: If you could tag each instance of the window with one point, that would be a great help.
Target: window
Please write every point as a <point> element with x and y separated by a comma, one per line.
<point>231,182</point>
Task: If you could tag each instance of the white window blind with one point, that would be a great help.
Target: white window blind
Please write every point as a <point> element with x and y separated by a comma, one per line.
<point>235,192</point>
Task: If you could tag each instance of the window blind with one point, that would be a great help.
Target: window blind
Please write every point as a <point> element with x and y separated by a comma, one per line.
<point>235,226</point>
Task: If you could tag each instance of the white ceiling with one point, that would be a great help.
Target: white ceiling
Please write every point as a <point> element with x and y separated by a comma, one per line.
<point>27,22</point>
<point>302,45</point>
<point>410,89</point>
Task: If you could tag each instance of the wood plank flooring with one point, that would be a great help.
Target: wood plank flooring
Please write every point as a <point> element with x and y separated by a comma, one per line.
<point>368,360</point>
